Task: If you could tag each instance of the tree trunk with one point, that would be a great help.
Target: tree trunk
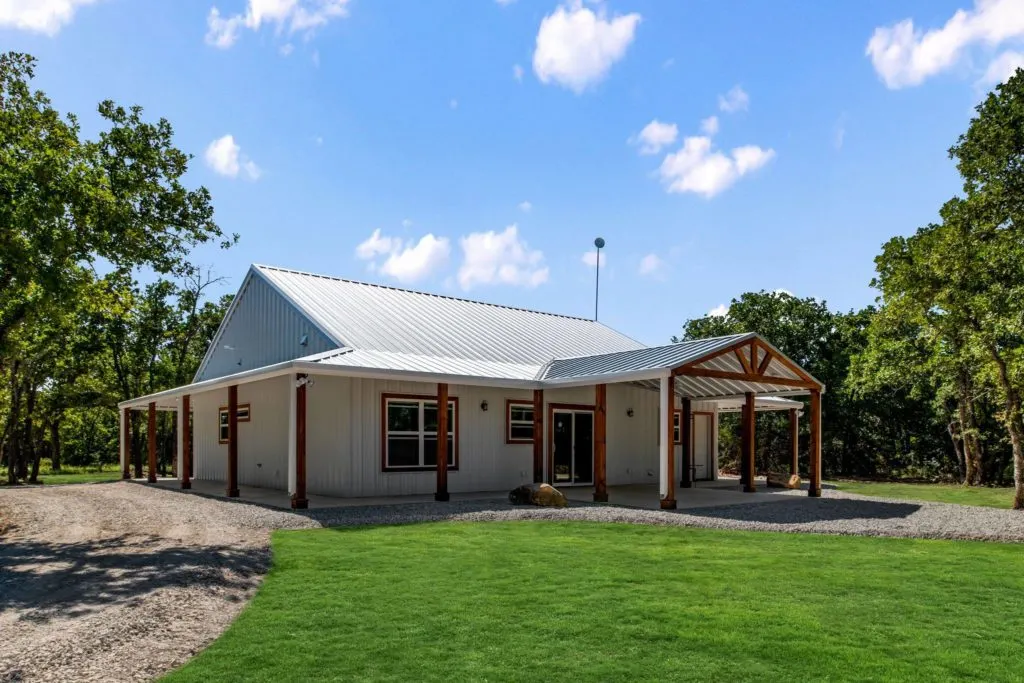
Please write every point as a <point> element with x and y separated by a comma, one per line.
<point>28,434</point>
<point>971,436</point>
<point>11,429</point>
<point>1014,425</point>
<point>954,437</point>
<point>55,445</point>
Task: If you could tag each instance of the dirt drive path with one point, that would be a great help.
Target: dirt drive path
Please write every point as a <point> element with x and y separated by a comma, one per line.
<point>115,582</point>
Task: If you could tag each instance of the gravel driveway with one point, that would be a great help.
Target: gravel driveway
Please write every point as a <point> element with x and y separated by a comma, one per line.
<point>124,582</point>
<point>121,581</point>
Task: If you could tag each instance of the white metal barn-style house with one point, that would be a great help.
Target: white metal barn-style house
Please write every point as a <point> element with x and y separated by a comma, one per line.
<point>328,386</point>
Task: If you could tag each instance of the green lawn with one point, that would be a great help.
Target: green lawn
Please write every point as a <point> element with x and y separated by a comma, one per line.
<point>537,601</point>
<point>942,493</point>
<point>73,475</point>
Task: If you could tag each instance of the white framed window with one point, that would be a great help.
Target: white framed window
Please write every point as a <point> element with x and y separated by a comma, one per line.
<point>409,433</point>
<point>224,425</point>
<point>518,421</point>
<point>677,416</point>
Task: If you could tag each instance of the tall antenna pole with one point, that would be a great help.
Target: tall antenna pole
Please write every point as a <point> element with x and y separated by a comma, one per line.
<point>599,242</point>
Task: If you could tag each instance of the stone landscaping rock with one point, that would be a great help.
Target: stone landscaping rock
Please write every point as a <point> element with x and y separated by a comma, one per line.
<point>542,495</point>
<point>783,481</point>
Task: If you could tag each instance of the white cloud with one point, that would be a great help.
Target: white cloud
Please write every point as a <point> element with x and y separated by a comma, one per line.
<point>589,258</point>
<point>709,126</point>
<point>39,16</point>
<point>286,16</point>
<point>517,73</point>
<point>416,261</point>
<point>406,223</point>
<point>286,49</point>
<point>652,264</point>
<point>225,157</point>
<point>720,311</point>
<point>504,3</point>
<point>697,168</point>
<point>500,258</point>
<point>377,245</point>
<point>656,135</point>
<point>576,47</point>
<point>904,55</point>
<point>1002,67</point>
<point>781,290</point>
<point>668,63</point>
<point>453,103</point>
<point>735,100</point>
<point>525,206</point>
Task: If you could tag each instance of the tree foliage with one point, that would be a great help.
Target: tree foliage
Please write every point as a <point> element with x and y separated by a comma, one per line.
<point>80,221</point>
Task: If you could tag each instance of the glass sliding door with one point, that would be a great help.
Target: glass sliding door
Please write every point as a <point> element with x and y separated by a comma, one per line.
<point>572,447</point>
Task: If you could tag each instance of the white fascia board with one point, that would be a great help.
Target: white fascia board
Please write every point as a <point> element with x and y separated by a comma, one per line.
<point>411,376</point>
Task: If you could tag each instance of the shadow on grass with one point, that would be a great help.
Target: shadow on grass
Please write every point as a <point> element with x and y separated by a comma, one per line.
<point>808,510</point>
<point>44,580</point>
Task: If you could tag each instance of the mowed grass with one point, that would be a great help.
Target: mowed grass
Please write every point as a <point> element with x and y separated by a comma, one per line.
<point>532,601</point>
<point>73,475</point>
<point>984,496</point>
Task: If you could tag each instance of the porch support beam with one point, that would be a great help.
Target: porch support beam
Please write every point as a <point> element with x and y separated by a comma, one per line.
<point>749,441</point>
<point>814,452</point>
<point>441,494</point>
<point>185,432</point>
<point>794,441</point>
<point>538,436</point>
<point>600,443</point>
<point>126,443</point>
<point>686,436</point>
<point>299,500</point>
<point>667,449</point>
<point>232,487</point>
<point>151,442</point>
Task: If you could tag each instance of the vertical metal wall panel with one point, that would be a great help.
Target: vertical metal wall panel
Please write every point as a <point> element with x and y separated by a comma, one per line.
<point>344,440</point>
<point>262,441</point>
<point>632,441</point>
<point>264,328</point>
<point>209,456</point>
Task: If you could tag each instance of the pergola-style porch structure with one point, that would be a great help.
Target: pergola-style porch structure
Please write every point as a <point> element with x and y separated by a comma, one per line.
<point>739,367</point>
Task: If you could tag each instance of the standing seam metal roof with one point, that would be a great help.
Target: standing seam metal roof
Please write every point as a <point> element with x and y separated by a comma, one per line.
<point>378,318</point>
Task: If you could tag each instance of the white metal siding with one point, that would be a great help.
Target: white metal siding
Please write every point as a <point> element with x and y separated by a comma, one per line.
<point>262,441</point>
<point>264,328</point>
<point>343,443</point>
<point>343,437</point>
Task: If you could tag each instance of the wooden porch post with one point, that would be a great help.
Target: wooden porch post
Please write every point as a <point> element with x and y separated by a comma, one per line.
<point>667,445</point>
<point>600,443</point>
<point>686,436</point>
<point>299,500</point>
<point>794,441</point>
<point>151,442</point>
<point>185,420</point>
<point>538,436</point>
<point>814,452</point>
<point>126,443</point>
<point>232,488</point>
<point>749,469</point>
<point>441,494</point>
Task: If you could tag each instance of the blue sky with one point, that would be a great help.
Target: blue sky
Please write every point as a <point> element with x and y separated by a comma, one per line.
<point>397,141</point>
